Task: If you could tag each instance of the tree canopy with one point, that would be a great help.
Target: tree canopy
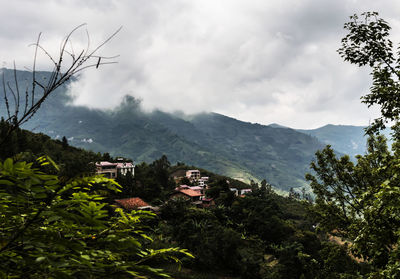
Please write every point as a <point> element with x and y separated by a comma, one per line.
<point>360,201</point>
<point>52,229</point>
<point>368,44</point>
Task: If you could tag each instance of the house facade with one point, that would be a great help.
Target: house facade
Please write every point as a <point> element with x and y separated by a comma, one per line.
<point>107,169</point>
<point>193,175</point>
<point>124,168</point>
<point>111,170</point>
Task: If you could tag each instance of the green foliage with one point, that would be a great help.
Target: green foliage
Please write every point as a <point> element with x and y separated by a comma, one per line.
<point>220,191</point>
<point>151,181</point>
<point>262,235</point>
<point>360,201</point>
<point>368,43</point>
<point>51,229</point>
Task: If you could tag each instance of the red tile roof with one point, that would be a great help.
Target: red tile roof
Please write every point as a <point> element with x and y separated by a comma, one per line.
<point>131,203</point>
<point>190,193</point>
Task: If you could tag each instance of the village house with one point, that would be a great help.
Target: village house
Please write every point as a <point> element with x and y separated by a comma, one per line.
<point>107,169</point>
<point>195,194</point>
<point>198,189</point>
<point>124,168</point>
<point>111,170</point>
<point>188,194</point>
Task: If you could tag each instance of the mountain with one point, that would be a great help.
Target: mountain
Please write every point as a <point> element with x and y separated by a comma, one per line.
<point>281,155</point>
<point>346,139</point>
<point>212,141</point>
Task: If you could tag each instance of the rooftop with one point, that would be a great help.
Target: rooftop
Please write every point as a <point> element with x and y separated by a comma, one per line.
<point>190,193</point>
<point>132,203</point>
<point>105,163</point>
<point>125,165</point>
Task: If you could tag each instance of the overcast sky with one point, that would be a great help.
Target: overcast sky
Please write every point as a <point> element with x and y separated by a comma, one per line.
<point>258,61</point>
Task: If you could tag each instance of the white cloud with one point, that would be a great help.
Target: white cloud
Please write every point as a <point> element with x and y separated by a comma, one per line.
<point>259,61</point>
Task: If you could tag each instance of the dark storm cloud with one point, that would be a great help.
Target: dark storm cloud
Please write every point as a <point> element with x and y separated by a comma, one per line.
<point>259,61</point>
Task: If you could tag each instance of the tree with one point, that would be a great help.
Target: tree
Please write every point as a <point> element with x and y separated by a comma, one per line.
<point>160,168</point>
<point>64,142</point>
<point>361,201</point>
<point>55,230</point>
<point>266,188</point>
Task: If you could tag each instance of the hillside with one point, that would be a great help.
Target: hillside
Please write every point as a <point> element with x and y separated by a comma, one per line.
<point>212,141</point>
<point>281,155</point>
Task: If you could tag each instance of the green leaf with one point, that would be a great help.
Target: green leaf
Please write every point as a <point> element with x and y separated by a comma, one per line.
<point>8,165</point>
<point>6,182</point>
<point>86,257</point>
<point>40,259</point>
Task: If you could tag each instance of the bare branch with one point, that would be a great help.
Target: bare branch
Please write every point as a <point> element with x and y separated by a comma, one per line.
<point>5,97</point>
<point>34,68</point>
<point>17,88</point>
<point>57,78</point>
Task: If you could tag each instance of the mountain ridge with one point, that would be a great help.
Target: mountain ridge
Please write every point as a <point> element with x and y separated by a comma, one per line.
<point>242,150</point>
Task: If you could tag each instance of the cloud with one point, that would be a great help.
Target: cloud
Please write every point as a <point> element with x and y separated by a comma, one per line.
<point>259,61</point>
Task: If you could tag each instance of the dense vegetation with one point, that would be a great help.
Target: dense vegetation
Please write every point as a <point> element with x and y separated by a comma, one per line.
<point>59,221</point>
<point>262,235</point>
<point>360,201</point>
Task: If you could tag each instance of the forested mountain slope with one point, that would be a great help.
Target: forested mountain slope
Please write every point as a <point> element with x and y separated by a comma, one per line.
<point>222,144</point>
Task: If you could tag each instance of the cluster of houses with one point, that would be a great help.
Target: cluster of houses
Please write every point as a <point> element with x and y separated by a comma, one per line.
<point>195,194</point>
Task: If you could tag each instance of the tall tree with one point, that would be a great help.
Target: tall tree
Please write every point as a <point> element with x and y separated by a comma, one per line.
<point>361,201</point>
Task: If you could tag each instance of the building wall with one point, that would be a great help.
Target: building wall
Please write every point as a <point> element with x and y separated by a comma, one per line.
<point>193,174</point>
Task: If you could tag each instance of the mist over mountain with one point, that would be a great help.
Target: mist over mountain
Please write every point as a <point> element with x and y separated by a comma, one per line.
<point>209,140</point>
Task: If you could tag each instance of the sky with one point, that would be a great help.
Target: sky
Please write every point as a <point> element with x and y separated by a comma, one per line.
<point>258,61</point>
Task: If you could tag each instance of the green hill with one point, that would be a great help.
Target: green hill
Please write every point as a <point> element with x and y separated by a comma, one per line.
<point>212,141</point>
